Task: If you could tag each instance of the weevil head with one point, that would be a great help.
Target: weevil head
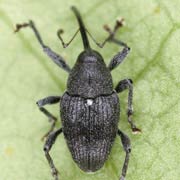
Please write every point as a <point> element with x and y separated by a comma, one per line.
<point>89,77</point>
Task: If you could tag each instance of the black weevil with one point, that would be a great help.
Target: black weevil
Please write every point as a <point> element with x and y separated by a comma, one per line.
<point>89,109</point>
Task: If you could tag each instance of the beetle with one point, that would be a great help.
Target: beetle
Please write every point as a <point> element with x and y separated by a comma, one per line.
<point>89,108</point>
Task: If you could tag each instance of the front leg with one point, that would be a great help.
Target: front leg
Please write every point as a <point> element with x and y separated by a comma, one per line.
<point>128,84</point>
<point>47,147</point>
<point>53,119</point>
<point>120,56</point>
<point>54,56</point>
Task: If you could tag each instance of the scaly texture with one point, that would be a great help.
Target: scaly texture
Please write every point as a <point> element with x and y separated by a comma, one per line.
<point>152,31</point>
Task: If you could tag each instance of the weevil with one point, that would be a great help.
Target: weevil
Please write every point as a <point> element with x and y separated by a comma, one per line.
<point>89,108</point>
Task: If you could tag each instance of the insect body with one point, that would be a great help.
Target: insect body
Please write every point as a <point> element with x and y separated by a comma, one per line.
<point>90,118</point>
<point>90,106</point>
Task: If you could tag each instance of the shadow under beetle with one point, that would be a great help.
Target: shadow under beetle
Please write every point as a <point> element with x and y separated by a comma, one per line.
<point>89,108</point>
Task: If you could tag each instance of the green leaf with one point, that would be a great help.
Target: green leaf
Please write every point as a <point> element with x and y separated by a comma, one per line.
<point>152,31</point>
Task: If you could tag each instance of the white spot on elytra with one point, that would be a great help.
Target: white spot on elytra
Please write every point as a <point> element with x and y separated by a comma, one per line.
<point>89,102</point>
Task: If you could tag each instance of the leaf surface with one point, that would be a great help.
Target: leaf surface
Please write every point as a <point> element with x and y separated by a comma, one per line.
<point>152,31</point>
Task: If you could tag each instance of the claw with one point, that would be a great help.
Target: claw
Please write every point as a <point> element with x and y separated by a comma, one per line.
<point>136,131</point>
<point>19,26</point>
<point>120,22</point>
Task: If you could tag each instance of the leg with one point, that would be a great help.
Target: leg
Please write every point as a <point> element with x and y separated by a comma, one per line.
<point>128,84</point>
<point>55,57</point>
<point>120,56</point>
<point>47,147</point>
<point>119,23</point>
<point>43,102</point>
<point>127,148</point>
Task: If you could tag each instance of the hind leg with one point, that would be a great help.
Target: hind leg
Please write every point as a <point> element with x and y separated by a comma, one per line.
<point>127,148</point>
<point>47,147</point>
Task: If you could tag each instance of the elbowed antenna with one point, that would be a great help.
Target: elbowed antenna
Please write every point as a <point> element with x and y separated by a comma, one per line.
<point>82,29</point>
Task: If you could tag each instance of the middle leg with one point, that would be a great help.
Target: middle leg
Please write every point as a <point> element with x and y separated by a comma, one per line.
<point>53,119</point>
<point>128,84</point>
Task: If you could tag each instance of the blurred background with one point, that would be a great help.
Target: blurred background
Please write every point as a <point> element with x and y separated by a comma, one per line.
<point>26,75</point>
